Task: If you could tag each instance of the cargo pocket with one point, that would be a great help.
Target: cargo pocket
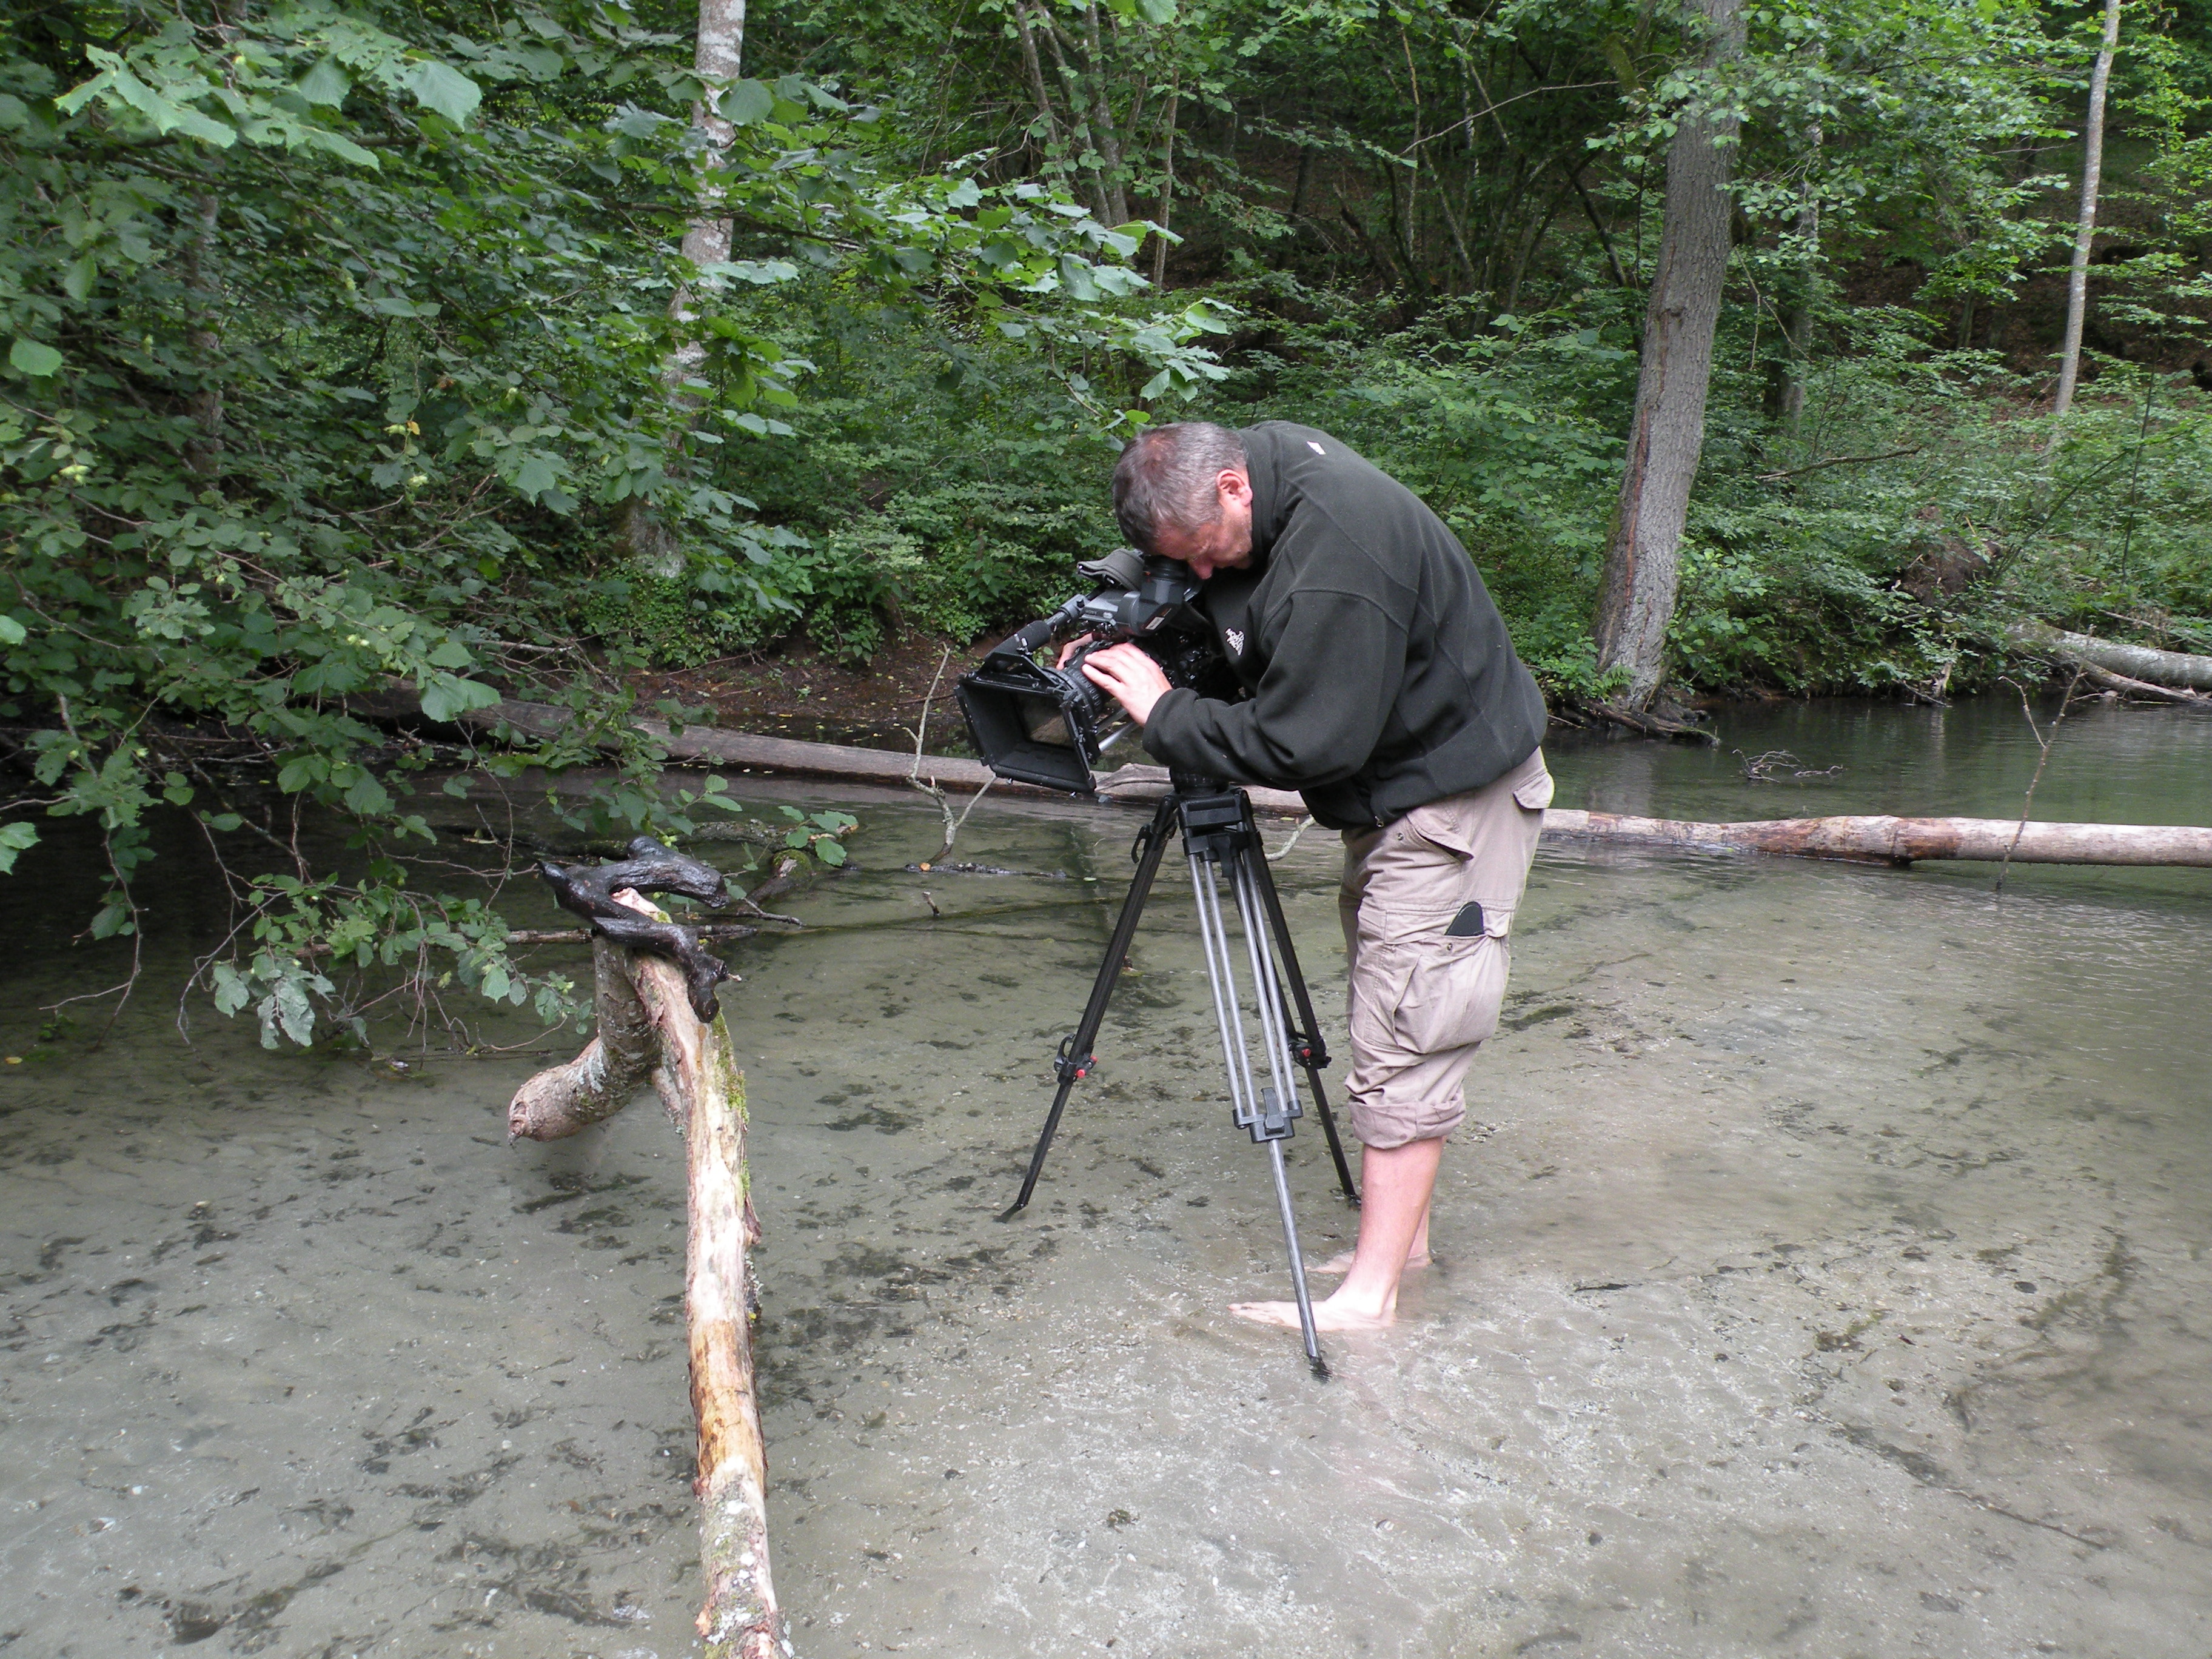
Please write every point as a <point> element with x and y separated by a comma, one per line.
<point>1453,993</point>
<point>1379,978</point>
<point>1536,793</point>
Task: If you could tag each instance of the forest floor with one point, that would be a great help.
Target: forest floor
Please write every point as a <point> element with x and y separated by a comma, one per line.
<point>793,689</point>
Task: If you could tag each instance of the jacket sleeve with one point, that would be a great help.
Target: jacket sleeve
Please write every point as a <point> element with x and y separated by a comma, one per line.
<point>1318,711</point>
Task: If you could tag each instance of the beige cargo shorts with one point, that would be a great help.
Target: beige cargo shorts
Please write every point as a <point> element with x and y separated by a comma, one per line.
<point>1428,972</point>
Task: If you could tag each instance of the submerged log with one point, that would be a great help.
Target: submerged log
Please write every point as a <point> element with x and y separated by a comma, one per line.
<point>1906,840</point>
<point>649,1021</point>
<point>2180,669</point>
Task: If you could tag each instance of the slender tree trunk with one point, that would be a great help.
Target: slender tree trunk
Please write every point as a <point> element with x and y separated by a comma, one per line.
<point>720,47</point>
<point>2085,231</point>
<point>1637,601</point>
<point>204,449</point>
<point>1110,183</point>
<point>1452,227</point>
<point>1167,179</point>
<point>1035,71</point>
<point>1077,121</point>
<point>1797,313</point>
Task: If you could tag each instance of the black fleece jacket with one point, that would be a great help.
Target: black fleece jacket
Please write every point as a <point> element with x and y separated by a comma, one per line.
<point>1379,673</point>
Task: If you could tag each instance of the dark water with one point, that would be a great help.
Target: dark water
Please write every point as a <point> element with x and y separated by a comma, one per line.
<point>1824,1272</point>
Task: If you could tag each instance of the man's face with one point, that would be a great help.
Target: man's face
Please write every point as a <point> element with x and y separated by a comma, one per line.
<point>1224,545</point>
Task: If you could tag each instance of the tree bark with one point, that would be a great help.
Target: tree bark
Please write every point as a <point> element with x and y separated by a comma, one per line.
<point>563,1100</point>
<point>1637,600</point>
<point>2168,668</point>
<point>203,450</point>
<point>2085,230</point>
<point>1167,180</point>
<point>1034,70</point>
<point>1111,185</point>
<point>720,49</point>
<point>697,1075</point>
<point>1902,841</point>
<point>1798,314</point>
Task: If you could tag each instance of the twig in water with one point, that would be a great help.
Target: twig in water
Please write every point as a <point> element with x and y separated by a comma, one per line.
<point>2044,740</point>
<point>1305,824</point>
<point>952,825</point>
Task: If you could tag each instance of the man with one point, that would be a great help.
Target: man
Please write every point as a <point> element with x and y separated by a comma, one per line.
<point>1383,687</point>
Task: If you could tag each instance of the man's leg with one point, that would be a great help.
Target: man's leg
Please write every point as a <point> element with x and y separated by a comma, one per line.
<point>1427,904</point>
<point>1394,1186</point>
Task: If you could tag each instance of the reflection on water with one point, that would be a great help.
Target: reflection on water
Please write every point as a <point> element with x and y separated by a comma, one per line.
<point>1823,1271</point>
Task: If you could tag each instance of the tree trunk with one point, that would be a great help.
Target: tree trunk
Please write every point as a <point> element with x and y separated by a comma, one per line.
<point>564,1100</point>
<point>717,55</point>
<point>2168,668</point>
<point>1637,601</point>
<point>1035,71</point>
<point>1078,122</point>
<point>204,449</point>
<point>1167,180</point>
<point>651,1004</point>
<point>1902,841</point>
<point>1110,183</point>
<point>2085,230</point>
<point>1797,318</point>
<point>705,1091</point>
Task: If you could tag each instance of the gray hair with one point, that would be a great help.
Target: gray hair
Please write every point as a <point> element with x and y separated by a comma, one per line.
<point>1165,478</point>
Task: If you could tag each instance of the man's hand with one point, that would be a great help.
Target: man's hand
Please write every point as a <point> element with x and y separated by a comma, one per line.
<point>1131,678</point>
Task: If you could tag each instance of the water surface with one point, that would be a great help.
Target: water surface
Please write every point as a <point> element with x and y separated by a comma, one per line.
<point>1823,1272</point>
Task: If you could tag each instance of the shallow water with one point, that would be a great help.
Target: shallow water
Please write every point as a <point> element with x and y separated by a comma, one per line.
<point>1823,1272</point>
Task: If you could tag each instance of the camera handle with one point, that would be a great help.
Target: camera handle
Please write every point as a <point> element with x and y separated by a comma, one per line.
<point>1221,840</point>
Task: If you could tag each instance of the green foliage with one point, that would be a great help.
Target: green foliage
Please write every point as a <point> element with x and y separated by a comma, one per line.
<point>347,347</point>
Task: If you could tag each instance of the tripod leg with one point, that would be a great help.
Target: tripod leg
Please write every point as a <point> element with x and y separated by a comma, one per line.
<point>1268,995</point>
<point>1075,1058</point>
<point>1277,924</point>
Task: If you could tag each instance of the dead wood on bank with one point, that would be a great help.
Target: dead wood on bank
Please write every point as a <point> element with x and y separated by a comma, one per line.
<point>650,1023</point>
<point>2176,670</point>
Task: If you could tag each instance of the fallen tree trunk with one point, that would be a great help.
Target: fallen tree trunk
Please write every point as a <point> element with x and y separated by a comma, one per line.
<point>1883,839</point>
<point>2140,662</point>
<point>1906,840</point>
<point>649,1015</point>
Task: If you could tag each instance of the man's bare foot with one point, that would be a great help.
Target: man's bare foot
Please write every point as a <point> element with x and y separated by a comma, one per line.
<point>1341,1262</point>
<point>1329,1315</point>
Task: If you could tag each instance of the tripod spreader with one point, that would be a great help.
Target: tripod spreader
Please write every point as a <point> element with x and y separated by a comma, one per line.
<point>1220,840</point>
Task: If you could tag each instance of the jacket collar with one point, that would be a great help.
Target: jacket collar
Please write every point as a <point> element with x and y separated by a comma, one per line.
<point>1270,496</point>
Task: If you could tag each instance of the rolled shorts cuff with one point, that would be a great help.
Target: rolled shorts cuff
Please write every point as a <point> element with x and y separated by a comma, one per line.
<point>1422,1098</point>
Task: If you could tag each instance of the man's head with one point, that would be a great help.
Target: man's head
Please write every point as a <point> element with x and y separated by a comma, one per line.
<point>1185,492</point>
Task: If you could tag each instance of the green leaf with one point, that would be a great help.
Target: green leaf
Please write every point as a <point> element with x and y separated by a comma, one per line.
<point>536,476</point>
<point>444,88</point>
<point>11,631</point>
<point>447,696</point>
<point>325,85</point>
<point>744,103</point>
<point>15,838</point>
<point>33,358</point>
<point>830,851</point>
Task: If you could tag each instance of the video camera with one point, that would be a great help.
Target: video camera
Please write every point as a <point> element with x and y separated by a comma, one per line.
<point>1049,725</point>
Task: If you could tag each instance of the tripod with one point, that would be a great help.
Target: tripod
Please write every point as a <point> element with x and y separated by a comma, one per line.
<point>1220,839</point>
